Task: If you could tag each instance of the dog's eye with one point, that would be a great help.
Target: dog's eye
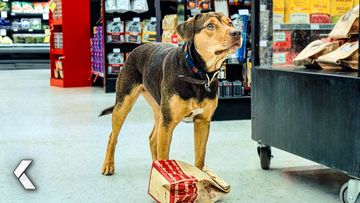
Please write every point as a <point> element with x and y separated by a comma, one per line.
<point>231,24</point>
<point>210,26</point>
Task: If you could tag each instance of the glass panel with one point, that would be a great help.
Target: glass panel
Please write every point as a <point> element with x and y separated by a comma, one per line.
<point>288,26</point>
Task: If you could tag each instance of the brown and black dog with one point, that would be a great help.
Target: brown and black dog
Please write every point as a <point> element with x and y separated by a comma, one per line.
<point>179,83</point>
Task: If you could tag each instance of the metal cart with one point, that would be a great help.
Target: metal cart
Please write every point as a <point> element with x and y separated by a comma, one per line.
<point>314,114</point>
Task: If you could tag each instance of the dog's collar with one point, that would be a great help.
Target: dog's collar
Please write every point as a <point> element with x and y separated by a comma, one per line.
<point>205,78</point>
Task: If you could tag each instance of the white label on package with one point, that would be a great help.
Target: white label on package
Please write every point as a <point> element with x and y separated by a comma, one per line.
<point>263,43</point>
<point>117,19</point>
<point>243,12</point>
<point>279,36</point>
<point>2,32</point>
<point>46,16</point>
<point>153,19</point>
<point>4,14</point>
<point>262,7</point>
<point>279,58</point>
<point>136,19</point>
<point>116,50</point>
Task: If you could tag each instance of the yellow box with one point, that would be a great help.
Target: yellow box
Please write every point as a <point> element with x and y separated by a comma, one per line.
<point>340,7</point>
<point>298,11</point>
<point>320,6</point>
<point>278,11</point>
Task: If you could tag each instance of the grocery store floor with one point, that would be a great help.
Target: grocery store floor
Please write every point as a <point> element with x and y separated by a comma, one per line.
<point>60,130</point>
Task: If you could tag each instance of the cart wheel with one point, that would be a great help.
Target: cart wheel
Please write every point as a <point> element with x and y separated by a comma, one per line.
<point>265,157</point>
<point>344,194</point>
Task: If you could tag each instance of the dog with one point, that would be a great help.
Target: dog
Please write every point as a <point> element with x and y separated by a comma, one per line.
<point>179,83</point>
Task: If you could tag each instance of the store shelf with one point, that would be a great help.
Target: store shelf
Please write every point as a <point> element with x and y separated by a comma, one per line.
<point>303,26</point>
<point>236,97</point>
<point>57,52</point>
<point>25,48</point>
<point>28,31</point>
<point>39,15</point>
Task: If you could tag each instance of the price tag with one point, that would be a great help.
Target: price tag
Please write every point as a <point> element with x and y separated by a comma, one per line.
<point>263,43</point>
<point>117,19</point>
<point>4,14</point>
<point>2,32</point>
<point>15,29</point>
<point>13,14</point>
<point>136,19</point>
<point>46,16</point>
<point>243,12</point>
<point>116,50</point>
<point>52,6</point>
<point>262,7</point>
<point>314,26</point>
<point>277,27</point>
<point>31,30</point>
<point>153,19</point>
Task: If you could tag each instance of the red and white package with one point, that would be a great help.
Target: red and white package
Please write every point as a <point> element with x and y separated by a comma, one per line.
<point>175,181</point>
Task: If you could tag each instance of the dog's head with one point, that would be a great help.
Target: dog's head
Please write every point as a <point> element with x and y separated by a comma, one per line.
<point>213,35</point>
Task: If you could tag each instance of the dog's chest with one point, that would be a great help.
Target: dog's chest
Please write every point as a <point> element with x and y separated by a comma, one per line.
<point>195,108</point>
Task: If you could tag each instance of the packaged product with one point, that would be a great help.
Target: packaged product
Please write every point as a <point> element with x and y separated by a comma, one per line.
<point>133,30</point>
<point>35,23</point>
<point>339,8</point>
<point>356,3</point>
<point>115,31</point>
<point>278,11</point>
<point>345,56</point>
<point>298,11</point>
<point>176,181</point>
<point>198,4</point>
<point>27,7</point>
<point>110,6</point>
<point>39,38</point>
<point>122,6</point>
<point>139,6</point>
<point>116,62</point>
<point>29,38</point>
<point>170,22</point>
<point>283,58</point>
<point>170,36</point>
<point>241,23</point>
<point>25,23</point>
<point>4,6</point>
<point>38,7</point>
<point>16,7</point>
<point>320,11</point>
<point>18,38</point>
<point>16,25</point>
<point>347,26</point>
<point>313,51</point>
<point>149,31</point>
<point>45,6</point>
<point>282,40</point>
<point>5,40</point>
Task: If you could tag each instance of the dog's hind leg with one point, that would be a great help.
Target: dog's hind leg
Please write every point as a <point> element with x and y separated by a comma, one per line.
<point>153,135</point>
<point>128,89</point>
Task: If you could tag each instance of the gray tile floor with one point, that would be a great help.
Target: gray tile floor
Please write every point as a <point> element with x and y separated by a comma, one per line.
<point>59,129</point>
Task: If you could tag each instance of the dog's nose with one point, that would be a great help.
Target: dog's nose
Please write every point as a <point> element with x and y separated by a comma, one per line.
<point>235,34</point>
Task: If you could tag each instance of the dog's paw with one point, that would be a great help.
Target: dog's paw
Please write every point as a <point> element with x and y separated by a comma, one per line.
<point>108,168</point>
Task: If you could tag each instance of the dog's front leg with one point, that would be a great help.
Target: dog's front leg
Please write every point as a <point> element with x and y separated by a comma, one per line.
<point>165,131</point>
<point>201,134</point>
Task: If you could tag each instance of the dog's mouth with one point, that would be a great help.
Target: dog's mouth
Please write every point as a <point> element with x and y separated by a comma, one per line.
<point>230,49</point>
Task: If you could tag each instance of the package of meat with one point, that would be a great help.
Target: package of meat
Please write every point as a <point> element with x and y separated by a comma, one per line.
<point>347,26</point>
<point>175,181</point>
<point>313,51</point>
<point>345,56</point>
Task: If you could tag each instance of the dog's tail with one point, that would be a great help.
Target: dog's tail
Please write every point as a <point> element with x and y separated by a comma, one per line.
<point>107,111</point>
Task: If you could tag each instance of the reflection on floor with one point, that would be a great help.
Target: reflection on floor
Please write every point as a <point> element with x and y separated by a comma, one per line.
<point>60,130</point>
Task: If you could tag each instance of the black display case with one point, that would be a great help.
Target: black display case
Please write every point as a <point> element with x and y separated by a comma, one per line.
<point>311,113</point>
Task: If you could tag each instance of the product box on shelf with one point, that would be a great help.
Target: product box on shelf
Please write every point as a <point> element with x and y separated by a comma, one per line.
<point>97,56</point>
<point>149,30</point>
<point>133,30</point>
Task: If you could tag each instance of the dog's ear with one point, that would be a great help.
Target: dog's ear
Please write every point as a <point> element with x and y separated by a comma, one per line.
<point>186,30</point>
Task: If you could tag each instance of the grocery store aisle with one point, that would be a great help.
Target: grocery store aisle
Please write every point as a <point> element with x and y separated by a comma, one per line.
<point>60,130</point>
